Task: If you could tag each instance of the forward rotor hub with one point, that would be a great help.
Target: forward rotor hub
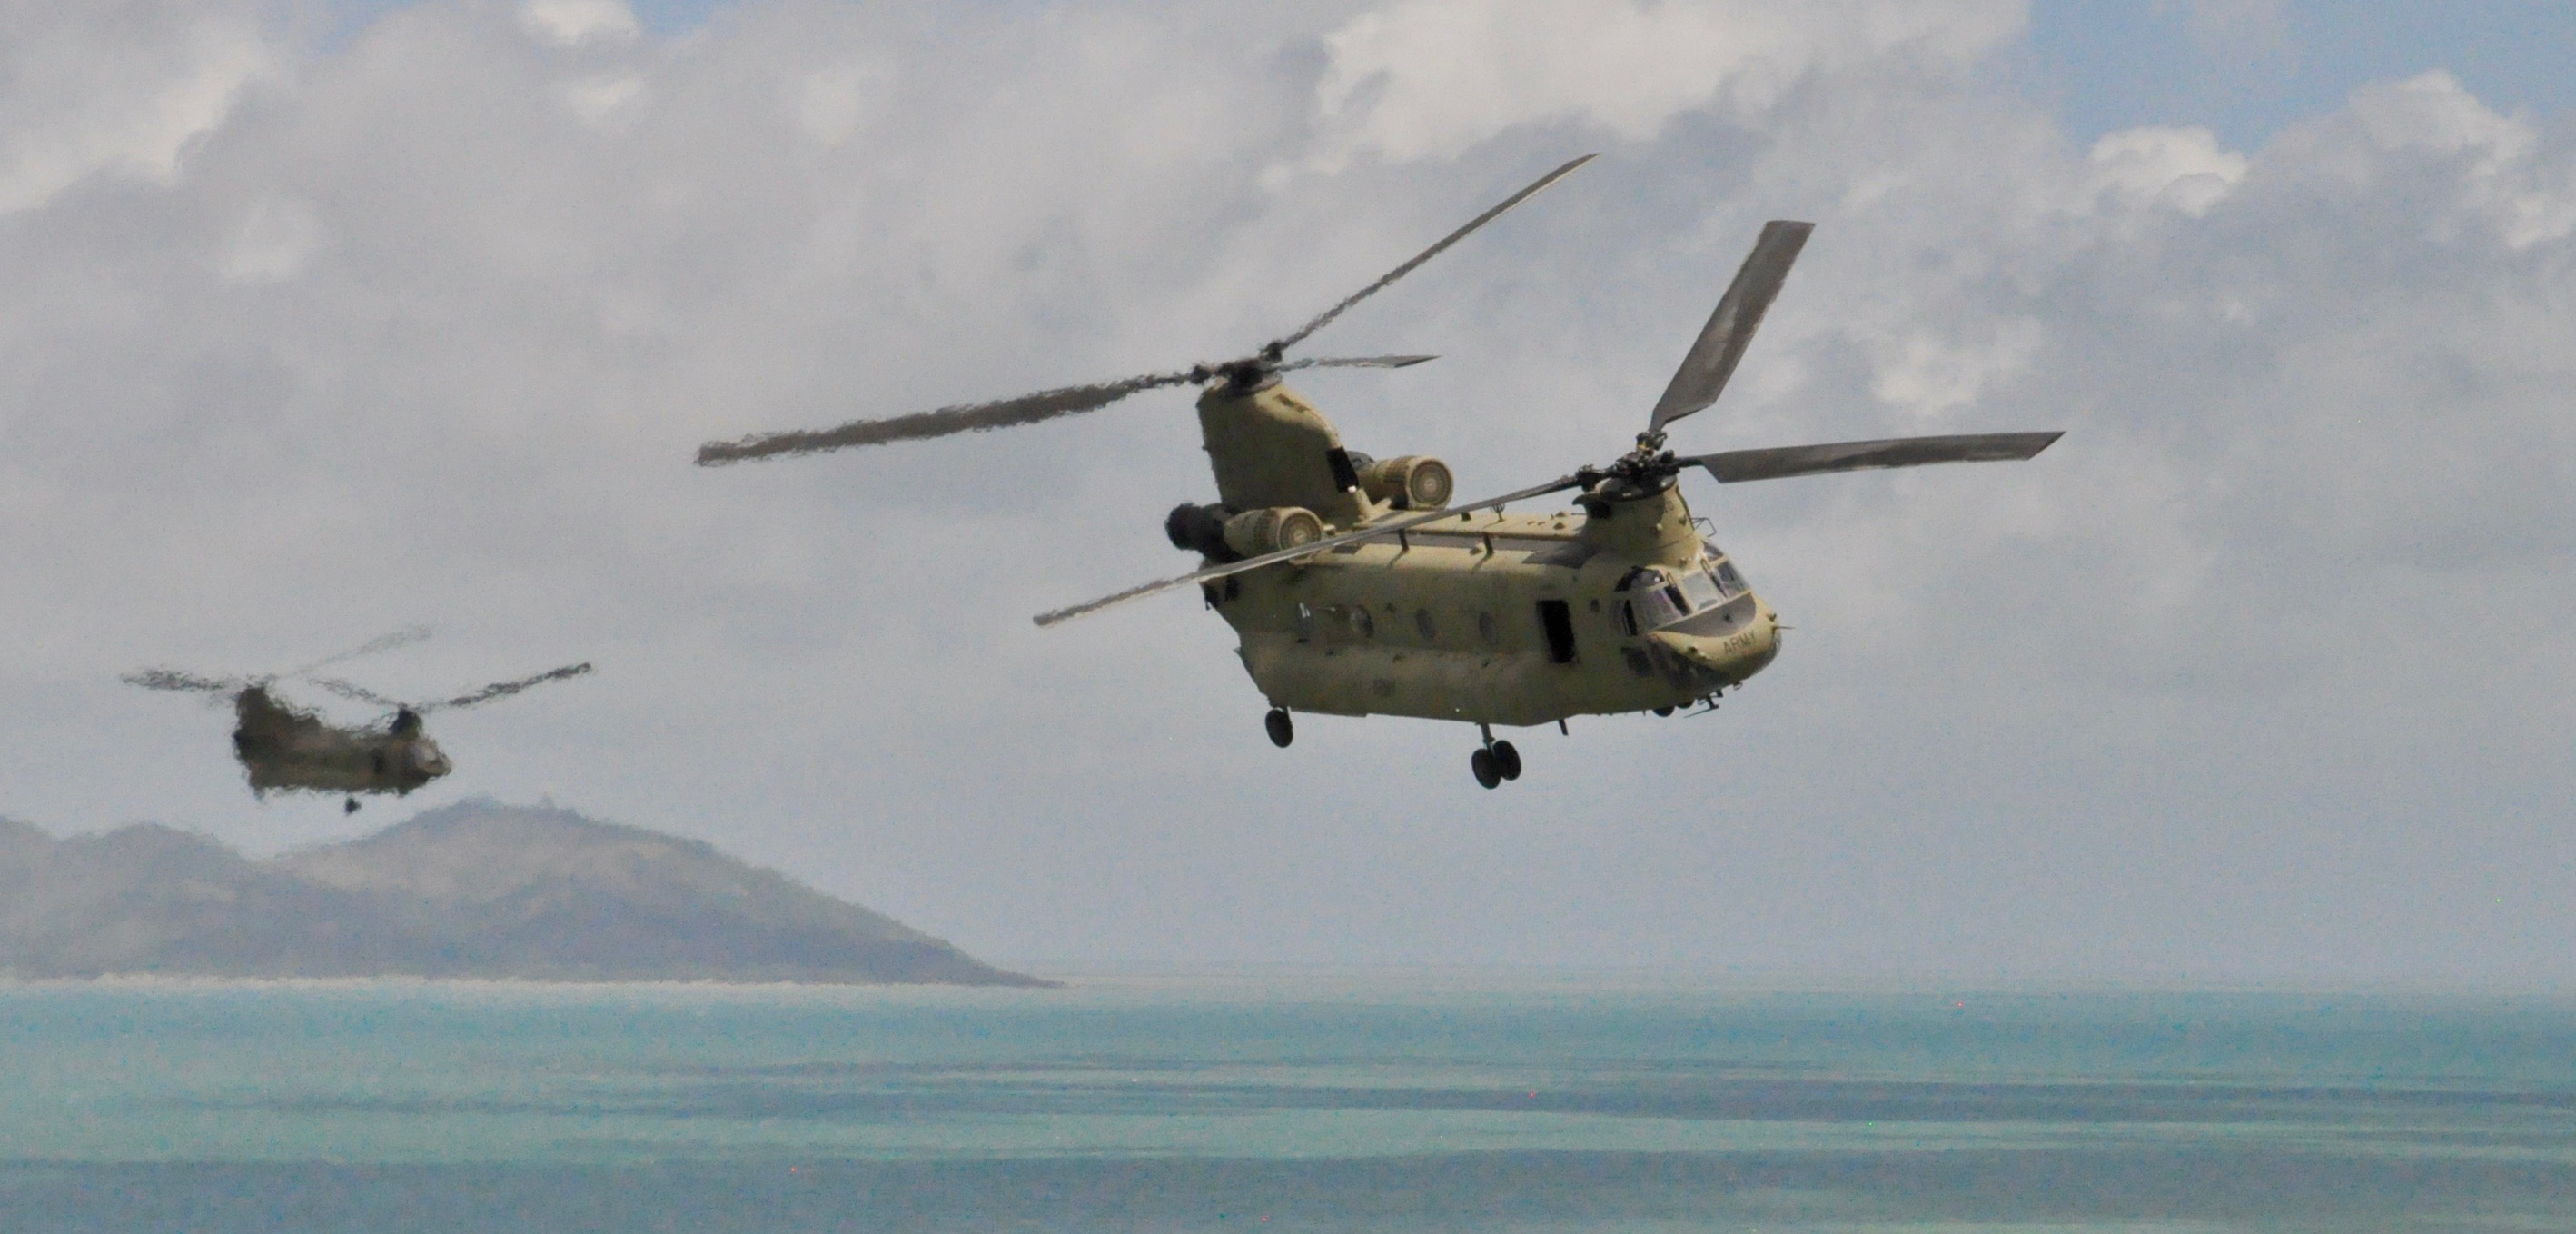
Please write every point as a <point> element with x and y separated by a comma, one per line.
<point>1240,376</point>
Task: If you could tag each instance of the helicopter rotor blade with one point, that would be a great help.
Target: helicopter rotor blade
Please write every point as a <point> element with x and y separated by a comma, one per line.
<point>355,692</point>
<point>1738,466</point>
<point>962,418</point>
<point>1356,362</point>
<point>173,679</point>
<point>1072,400</point>
<point>400,638</point>
<point>504,689</point>
<point>1371,532</point>
<point>1712,359</point>
<point>1280,347</point>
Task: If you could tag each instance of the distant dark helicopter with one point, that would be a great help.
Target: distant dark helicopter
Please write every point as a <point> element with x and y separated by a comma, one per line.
<point>285,748</point>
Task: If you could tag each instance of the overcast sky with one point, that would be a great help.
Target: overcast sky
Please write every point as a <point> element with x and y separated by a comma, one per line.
<point>320,321</point>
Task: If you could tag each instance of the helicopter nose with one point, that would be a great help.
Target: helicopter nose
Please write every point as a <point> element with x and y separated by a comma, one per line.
<point>1748,644</point>
<point>427,758</point>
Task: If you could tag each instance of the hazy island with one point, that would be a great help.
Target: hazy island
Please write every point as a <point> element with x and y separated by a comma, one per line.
<point>478,890</point>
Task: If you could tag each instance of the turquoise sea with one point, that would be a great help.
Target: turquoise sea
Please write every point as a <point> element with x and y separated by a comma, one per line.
<point>1381,1102</point>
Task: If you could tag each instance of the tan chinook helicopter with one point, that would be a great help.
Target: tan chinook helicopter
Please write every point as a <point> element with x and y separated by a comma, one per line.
<point>1358,588</point>
<point>284,748</point>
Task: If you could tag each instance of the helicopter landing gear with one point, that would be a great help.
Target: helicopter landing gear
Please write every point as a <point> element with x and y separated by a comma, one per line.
<point>1663,711</point>
<point>349,806</point>
<point>1282,729</point>
<point>1495,761</point>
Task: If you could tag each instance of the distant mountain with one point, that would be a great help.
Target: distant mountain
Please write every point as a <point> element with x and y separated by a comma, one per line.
<point>472,890</point>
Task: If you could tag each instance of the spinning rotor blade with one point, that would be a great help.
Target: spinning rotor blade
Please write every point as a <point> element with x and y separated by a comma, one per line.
<point>400,638</point>
<point>963,418</point>
<point>173,679</point>
<point>1357,362</point>
<point>1072,400</point>
<point>1274,350</point>
<point>1371,532</point>
<point>1737,466</point>
<point>1702,376</point>
<point>350,690</point>
<point>504,689</point>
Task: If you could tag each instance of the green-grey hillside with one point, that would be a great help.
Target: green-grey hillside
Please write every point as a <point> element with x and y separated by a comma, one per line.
<point>471,890</point>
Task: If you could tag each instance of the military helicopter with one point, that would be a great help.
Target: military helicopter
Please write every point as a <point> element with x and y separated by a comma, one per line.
<point>284,748</point>
<point>1357,587</point>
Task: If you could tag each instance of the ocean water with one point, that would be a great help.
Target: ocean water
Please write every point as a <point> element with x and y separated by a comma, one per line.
<point>1275,1102</point>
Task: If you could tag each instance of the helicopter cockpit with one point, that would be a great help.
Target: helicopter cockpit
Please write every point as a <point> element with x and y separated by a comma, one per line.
<point>1708,599</point>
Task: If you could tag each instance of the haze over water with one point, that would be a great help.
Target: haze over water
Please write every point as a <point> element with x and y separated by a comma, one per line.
<point>1277,1102</point>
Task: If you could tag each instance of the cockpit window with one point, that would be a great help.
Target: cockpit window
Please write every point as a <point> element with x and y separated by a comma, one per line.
<point>1657,599</point>
<point>1702,589</point>
<point>1659,607</point>
<point>1643,577</point>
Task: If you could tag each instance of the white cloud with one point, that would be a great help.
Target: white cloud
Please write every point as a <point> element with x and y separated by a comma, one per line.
<point>83,97</point>
<point>834,103</point>
<point>2504,188</point>
<point>1929,375</point>
<point>599,100</point>
<point>2181,169</point>
<point>2432,111</point>
<point>574,22</point>
<point>1430,78</point>
<point>275,240</point>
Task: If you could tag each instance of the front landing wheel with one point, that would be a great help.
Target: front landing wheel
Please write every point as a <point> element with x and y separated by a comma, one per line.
<point>1482,763</point>
<point>1282,730</point>
<point>1507,760</point>
<point>350,806</point>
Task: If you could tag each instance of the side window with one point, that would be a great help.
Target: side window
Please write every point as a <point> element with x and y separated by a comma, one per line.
<point>1487,630</point>
<point>1305,624</point>
<point>1422,622</point>
<point>1361,623</point>
<point>1628,618</point>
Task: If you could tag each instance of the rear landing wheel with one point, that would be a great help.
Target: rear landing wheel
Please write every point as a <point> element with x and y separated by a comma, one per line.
<point>1282,730</point>
<point>1507,760</point>
<point>1482,763</point>
<point>350,806</point>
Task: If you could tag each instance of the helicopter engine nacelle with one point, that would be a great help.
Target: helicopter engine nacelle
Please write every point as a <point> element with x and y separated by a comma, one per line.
<point>1201,530</point>
<point>1254,532</point>
<point>1413,482</point>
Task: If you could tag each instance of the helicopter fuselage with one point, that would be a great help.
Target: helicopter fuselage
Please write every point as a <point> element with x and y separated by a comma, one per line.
<point>1485,617</point>
<point>287,749</point>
